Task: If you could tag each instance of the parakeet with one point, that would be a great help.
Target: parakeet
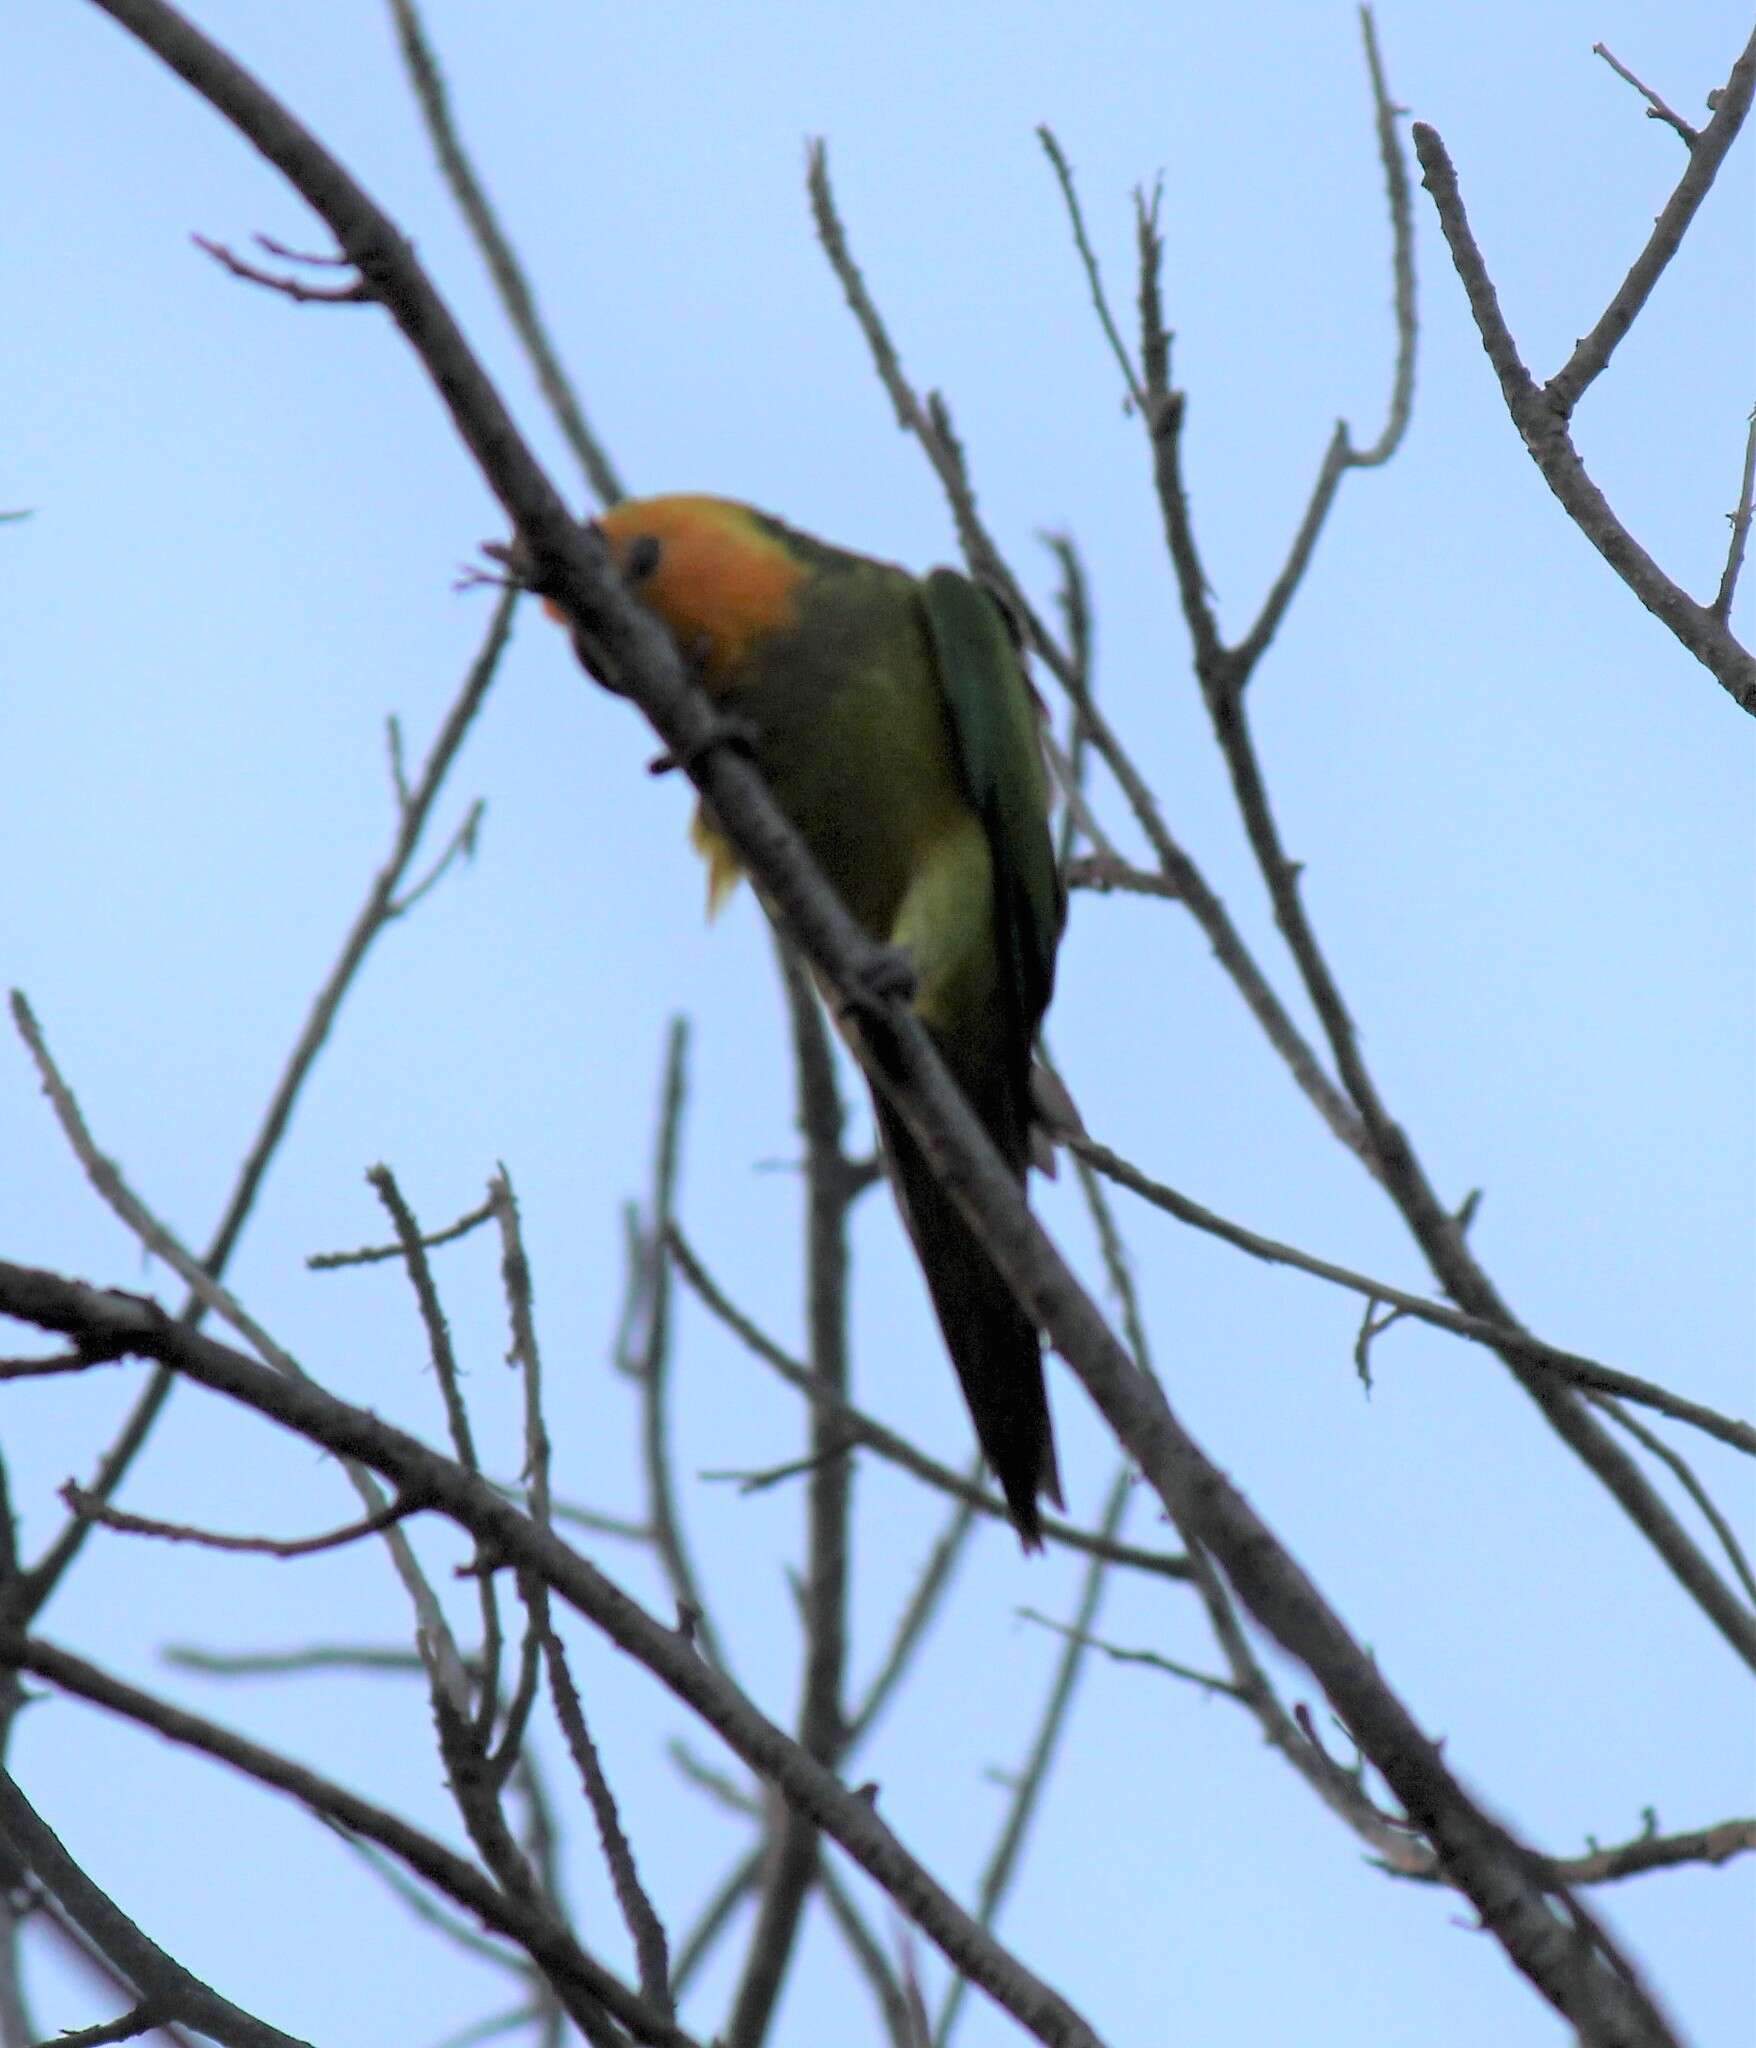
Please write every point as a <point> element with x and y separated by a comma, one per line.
<point>891,717</point>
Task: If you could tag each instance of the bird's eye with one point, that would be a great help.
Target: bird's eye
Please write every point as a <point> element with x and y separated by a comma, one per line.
<point>645,552</point>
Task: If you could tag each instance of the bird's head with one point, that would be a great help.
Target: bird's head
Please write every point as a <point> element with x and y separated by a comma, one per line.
<point>714,573</point>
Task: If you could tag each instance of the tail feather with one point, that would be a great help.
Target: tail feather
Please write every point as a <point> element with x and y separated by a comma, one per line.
<point>993,1343</point>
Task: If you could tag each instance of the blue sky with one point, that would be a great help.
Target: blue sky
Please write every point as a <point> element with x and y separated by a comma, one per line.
<point>1524,815</point>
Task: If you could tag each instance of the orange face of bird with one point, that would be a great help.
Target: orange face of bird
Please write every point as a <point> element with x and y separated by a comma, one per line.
<point>716,578</point>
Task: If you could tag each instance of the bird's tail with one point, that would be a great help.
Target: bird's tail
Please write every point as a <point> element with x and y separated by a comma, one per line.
<point>992,1341</point>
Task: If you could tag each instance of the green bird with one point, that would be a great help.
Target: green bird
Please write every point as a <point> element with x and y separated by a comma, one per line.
<point>891,718</point>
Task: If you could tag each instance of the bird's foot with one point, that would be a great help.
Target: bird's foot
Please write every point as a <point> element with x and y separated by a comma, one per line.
<point>727,730</point>
<point>888,976</point>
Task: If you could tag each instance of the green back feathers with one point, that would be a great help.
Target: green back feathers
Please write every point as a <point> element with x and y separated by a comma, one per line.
<point>994,723</point>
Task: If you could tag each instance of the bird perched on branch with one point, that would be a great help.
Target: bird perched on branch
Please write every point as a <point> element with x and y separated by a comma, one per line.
<point>891,718</point>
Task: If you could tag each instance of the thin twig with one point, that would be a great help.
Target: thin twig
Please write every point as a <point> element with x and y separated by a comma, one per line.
<point>1540,415</point>
<point>47,1368</point>
<point>371,921</point>
<point>720,1786</point>
<point>919,1610</point>
<point>888,1992</point>
<point>171,1991</point>
<point>821,1728</point>
<point>524,1354</point>
<point>83,1503</point>
<point>523,1920</point>
<point>1102,873</point>
<point>1088,260</point>
<point>699,1943</point>
<point>128,2026</point>
<point>1028,1788</point>
<point>653,1358</point>
<point>888,1444</point>
<point>434,1632</point>
<point>1570,1366</point>
<point>375,1254</point>
<point>1389,1151</point>
<point>491,2027</point>
<point>510,279</point>
<point>444,1361</point>
<point>461,846</point>
<point>638,1913</point>
<point>1707,151</point>
<point>1204,1681</point>
<point>356,293</point>
<point>1656,110</point>
<point>1341,454</point>
<point>1691,1485</point>
<point>1740,523</point>
<point>416,1900</point>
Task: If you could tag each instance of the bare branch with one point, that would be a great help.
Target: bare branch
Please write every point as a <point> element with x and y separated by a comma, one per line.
<point>1540,415</point>
<point>413,812</point>
<point>1402,255</point>
<point>638,1912</point>
<point>1205,1681</point>
<point>1057,1711</point>
<point>891,1996</point>
<point>510,280</point>
<point>1584,1978</point>
<point>1691,1485</point>
<point>434,1633</point>
<point>285,1663</point>
<point>1707,152</point>
<point>376,1254</point>
<point>476,1507</point>
<point>168,1990</point>
<point>49,1367</point>
<point>875,1437</point>
<point>1341,454</point>
<point>461,846</point>
<point>652,1360</point>
<point>1648,1851</point>
<point>439,1348</point>
<point>129,2026</point>
<point>1570,1366</point>
<point>920,1609</point>
<point>357,293</point>
<point>523,1920</point>
<point>1027,1790</point>
<point>95,1510</point>
<point>715,1918</point>
<point>1387,1146</point>
<point>1656,110</point>
<point>1088,259</point>
<point>1104,872</point>
<point>829,1189</point>
<point>1740,523</point>
<point>1653,1851</point>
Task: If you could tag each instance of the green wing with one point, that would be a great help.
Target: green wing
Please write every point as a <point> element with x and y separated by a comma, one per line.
<point>994,724</point>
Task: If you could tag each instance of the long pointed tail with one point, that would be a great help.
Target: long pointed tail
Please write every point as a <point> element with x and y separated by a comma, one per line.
<point>993,1343</point>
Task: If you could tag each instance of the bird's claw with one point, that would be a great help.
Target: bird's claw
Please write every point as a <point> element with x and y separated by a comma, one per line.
<point>727,730</point>
<point>887,977</point>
